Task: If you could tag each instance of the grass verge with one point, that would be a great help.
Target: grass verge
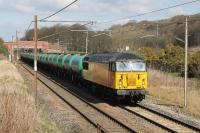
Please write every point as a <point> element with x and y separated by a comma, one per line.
<point>168,89</point>
<point>18,112</point>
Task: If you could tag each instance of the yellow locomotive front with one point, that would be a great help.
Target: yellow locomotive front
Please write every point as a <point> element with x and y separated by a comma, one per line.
<point>122,75</point>
<point>129,78</point>
<point>130,75</point>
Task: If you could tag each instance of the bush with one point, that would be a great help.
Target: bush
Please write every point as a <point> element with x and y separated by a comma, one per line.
<point>151,55</point>
<point>171,58</point>
<point>3,49</point>
<point>174,55</point>
<point>194,65</point>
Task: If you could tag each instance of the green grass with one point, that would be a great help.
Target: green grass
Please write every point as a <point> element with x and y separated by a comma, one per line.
<point>4,50</point>
<point>46,124</point>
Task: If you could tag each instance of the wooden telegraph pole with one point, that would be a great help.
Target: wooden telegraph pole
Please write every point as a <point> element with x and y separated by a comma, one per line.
<point>35,58</point>
<point>17,46</point>
<point>186,61</point>
<point>12,52</point>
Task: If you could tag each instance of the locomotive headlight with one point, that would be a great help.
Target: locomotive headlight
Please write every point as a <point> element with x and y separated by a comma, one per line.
<point>143,82</point>
<point>120,83</point>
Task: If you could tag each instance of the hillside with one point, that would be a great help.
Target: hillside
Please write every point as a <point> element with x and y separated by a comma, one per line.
<point>144,33</point>
<point>133,34</point>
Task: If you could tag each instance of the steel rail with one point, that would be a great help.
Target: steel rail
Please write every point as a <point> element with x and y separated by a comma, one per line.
<point>161,115</point>
<point>170,118</point>
<point>149,120</point>
<point>83,100</point>
<point>135,113</point>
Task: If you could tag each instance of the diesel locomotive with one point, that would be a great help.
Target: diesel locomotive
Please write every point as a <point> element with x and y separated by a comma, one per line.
<point>114,75</point>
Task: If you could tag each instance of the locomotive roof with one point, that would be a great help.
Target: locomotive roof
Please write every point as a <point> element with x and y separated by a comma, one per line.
<point>111,57</point>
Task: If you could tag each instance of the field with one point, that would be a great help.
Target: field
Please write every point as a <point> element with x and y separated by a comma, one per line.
<point>194,49</point>
<point>17,109</point>
<point>168,89</point>
<point>18,113</point>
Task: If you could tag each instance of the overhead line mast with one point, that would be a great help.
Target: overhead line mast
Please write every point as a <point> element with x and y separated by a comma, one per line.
<point>35,56</point>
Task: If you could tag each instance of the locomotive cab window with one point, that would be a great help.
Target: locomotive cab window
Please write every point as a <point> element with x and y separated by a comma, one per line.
<point>85,65</point>
<point>112,67</point>
<point>131,66</point>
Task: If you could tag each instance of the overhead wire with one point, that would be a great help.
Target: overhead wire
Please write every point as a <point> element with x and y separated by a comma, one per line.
<point>67,30</point>
<point>29,26</point>
<point>146,31</point>
<point>154,11</point>
<point>44,19</point>
<point>59,10</point>
<point>161,25</point>
<point>64,21</point>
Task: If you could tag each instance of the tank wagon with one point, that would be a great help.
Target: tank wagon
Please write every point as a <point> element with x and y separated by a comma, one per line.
<point>114,75</point>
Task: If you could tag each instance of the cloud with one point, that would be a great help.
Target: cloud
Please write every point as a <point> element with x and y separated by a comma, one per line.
<point>22,11</point>
<point>25,8</point>
<point>7,32</point>
<point>32,7</point>
<point>116,7</point>
<point>141,6</point>
<point>95,6</point>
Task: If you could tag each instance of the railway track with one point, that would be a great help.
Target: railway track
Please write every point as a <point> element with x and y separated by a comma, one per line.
<point>169,124</point>
<point>97,117</point>
<point>191,126</point>
<point>152,116</point>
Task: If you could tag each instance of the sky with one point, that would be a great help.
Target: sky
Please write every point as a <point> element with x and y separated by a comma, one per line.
<point>17,14</point>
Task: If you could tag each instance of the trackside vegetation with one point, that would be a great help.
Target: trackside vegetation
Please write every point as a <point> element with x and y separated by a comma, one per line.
<point>171,59</point>
<point>3,49</point>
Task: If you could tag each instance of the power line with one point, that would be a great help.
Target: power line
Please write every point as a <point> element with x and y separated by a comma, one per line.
<point>162,25</point>
<point>166,24</point>
<point>68,29</point>
<point>194,17</point>
<point>183,22</point>
<point>43,20</point>
<point>64,21</point>
<point>194,20</point>
<point>122,31</point>
<point>52,21</point>
<point>29,27</point>
<point>154,11</point>
<point>59,10</point>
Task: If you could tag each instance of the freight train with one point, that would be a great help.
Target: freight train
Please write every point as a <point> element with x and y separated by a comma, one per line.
<point>121,76</point>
